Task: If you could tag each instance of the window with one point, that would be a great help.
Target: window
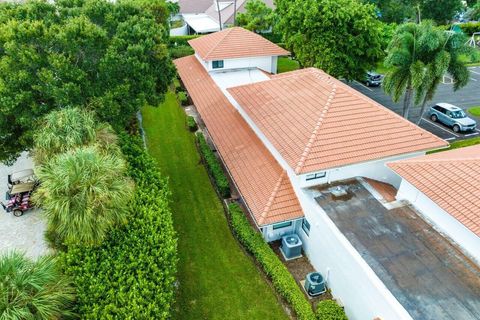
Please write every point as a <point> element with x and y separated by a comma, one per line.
<point>440,109</point>
<point>217,64</point>
<point>282,225</point>
<point>318,175</point>
<point>306,226</point>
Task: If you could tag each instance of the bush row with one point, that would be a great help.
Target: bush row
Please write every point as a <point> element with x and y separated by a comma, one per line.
<point>470,27</point>
<point>132,274</point>
<point>180,51</point>
<point>213,166</point>
<point>191,124</point>
<point>281,278</point>
<point>330,310</point>
<point>176,41</point>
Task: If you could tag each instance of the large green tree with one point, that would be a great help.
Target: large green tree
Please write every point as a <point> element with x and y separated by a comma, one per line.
<point>257,17</point>
<point>109,57</point>
<point>342,37</point>
<point>33,289</point>
<point>418,57</point>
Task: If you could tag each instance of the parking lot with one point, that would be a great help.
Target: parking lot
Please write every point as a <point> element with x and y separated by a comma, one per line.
<point>467,97</point>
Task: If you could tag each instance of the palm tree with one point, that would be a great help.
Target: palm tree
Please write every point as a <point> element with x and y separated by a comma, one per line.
<point>234,13</point>
<point>63,130</point>
<point>418,57</point>
<point>84,193</point>
<point>33,290</point>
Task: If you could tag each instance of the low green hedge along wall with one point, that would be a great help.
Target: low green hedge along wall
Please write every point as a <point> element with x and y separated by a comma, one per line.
<point>132,274</point>
<point>281,278</point>
<point>330,310</point>
<point>213,166</point>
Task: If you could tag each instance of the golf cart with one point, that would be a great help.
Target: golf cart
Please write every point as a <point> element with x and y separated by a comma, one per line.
<point>21,185</point>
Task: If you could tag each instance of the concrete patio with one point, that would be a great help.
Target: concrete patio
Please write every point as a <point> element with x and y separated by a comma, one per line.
<point>426,273</point>
<point>23,233</point>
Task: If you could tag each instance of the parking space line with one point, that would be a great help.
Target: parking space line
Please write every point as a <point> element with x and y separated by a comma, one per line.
<point>471,134</point>
<point>439,127</point>
<point>448,139</point>
<point>474,72</point>
<point>473,79</point>
<point>363,85</point>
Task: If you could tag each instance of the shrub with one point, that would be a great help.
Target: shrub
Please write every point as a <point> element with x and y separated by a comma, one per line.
<point>213,167</point>
<point>33,289</point>
<point>191,124</point>
<point>330,310</point>
<point>281,278</point>
<point>176,41</point>
<point>470,27</point>
<point>182,97</point>
<point>132,274</point>
<point>180,51</point>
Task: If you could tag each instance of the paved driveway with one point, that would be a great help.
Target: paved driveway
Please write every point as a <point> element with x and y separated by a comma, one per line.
<point>467,97</point>
<point>23,233</point>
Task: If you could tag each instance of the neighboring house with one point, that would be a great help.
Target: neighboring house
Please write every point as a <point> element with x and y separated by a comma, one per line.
<point>445,187</point>
<point>201,16</point>
<point>295,141</point>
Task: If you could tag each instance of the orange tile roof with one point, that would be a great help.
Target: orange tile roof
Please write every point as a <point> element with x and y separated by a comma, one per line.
<point>451,179</point>
<point>263,184</point>
<point>317,122</point>
<point>234,43</point>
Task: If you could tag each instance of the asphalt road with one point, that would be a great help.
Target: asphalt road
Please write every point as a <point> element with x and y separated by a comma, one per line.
<point>468,96</point>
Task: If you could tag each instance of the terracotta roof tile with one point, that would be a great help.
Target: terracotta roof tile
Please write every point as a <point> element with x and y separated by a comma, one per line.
<point>451,179</point>
<point>263,184</point>
<point>234,43</point>
<point>317,122</point>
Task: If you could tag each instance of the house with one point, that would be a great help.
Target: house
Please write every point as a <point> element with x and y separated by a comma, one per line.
<point>445,187</point>
<point>308,155</point>
<point>202,16</point>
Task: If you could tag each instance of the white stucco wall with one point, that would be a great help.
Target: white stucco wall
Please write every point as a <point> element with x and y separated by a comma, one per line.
<point>270,234</point>
<point>441,219</point>
<point>181,31</point>
<point>268,64</point>
<point>350,278</point>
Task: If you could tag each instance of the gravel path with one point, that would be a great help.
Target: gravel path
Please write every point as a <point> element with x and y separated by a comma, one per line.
<point>23,233</point>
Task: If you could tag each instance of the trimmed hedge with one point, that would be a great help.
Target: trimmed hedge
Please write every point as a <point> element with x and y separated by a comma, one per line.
<point>132,274</point>
<point>176,41</point>
<point>470,27</point>
<point>191,124</point>
<point>180,51</point>
<point>281,278</point>
<point>213,166</point>
<point>330,310</point>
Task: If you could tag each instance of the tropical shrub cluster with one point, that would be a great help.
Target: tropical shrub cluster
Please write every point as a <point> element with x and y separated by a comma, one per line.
<point>281,278</point>
<point>181,51</point>
<point>132,274</point>
<point>33,289</point>
<point>176,41</point>
<point>108,56</point>
<point>330,310</point>
<point>182,97</point>
<point>213,167</point>
<point>85,189</point>
<point>470,27</point>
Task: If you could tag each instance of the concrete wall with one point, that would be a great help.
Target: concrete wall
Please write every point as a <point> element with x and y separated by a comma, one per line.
<point>376,170</point>
<point>349,277</point>
<point>182,31</point>
<point>441,219</point>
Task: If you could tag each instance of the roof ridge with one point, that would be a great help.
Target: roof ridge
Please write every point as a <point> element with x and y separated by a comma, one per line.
<point>426,159</point>
<point>314,134</point>
<point>227,32</point>
<point>273,195</point>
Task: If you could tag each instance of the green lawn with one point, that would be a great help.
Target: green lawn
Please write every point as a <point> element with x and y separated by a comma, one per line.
<point>286,64</point>
<point>475,111</point>
<point>460,144</point>
<point>217,280</point>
